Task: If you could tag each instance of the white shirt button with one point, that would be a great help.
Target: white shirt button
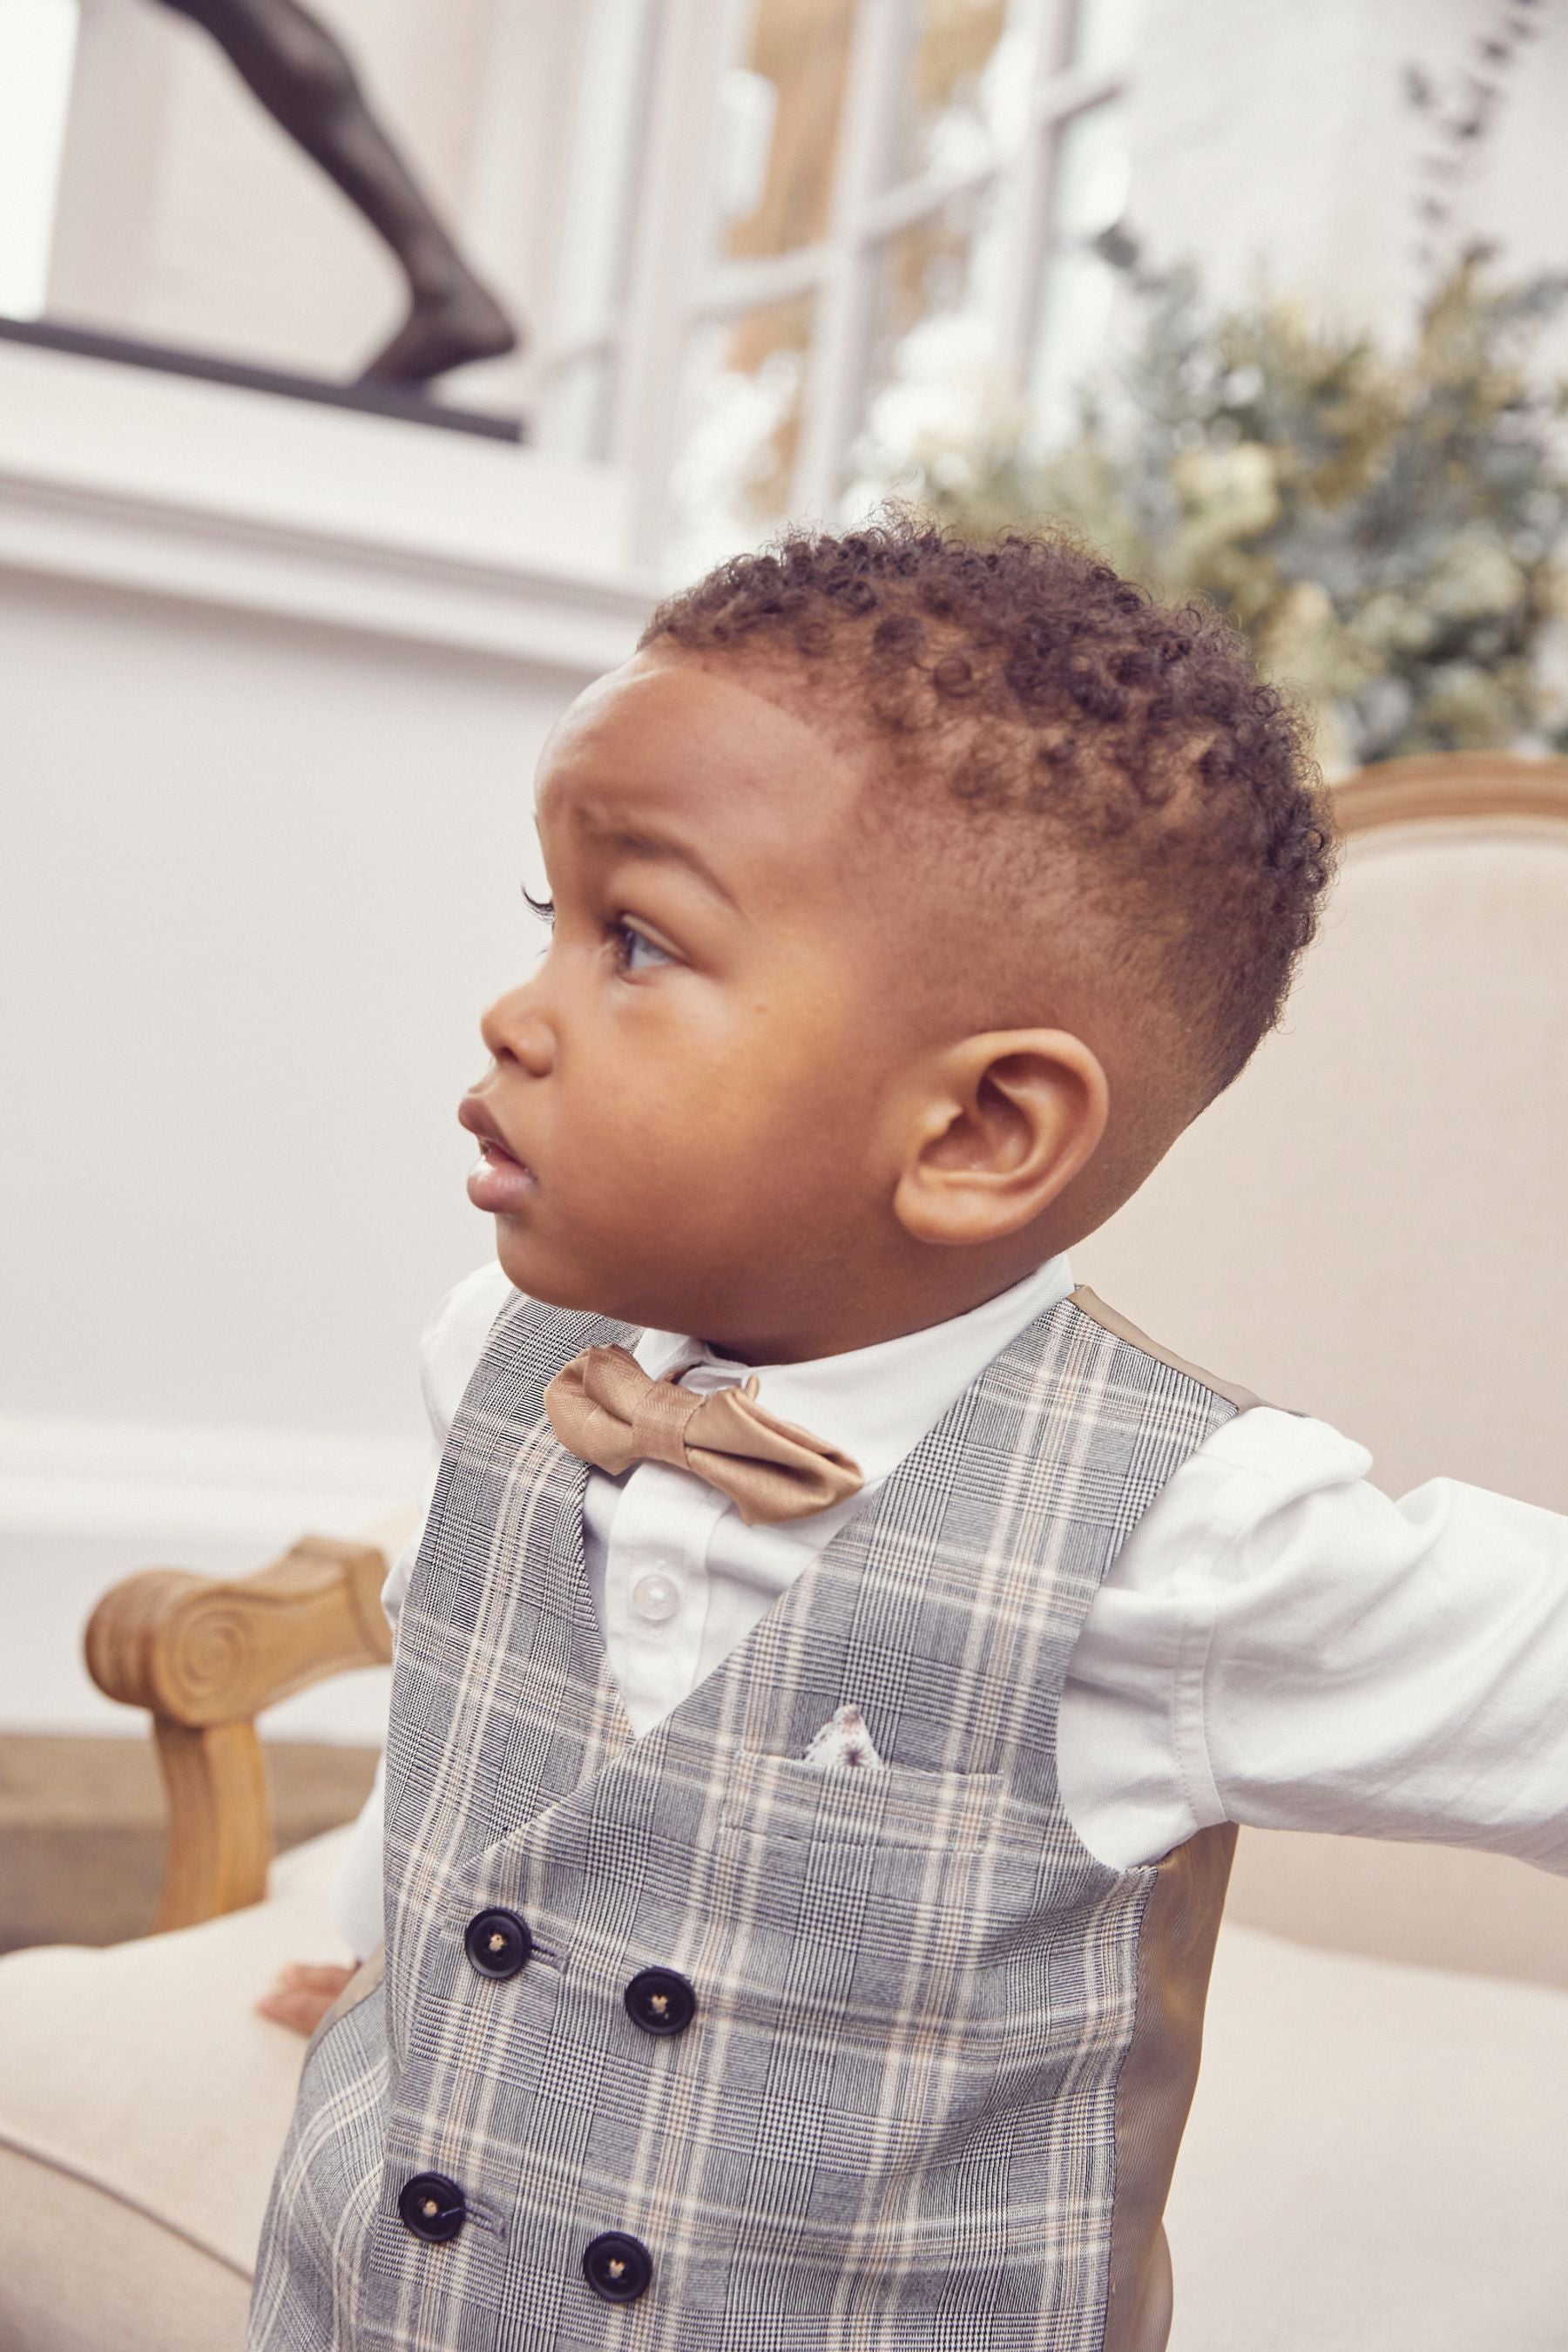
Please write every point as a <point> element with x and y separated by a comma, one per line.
<point>655,1597</point>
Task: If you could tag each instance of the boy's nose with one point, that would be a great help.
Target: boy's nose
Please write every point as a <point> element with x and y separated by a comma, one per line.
<point>515,1030</point>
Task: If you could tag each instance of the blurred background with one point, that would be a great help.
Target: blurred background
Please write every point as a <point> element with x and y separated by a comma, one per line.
<point>1267,300</point>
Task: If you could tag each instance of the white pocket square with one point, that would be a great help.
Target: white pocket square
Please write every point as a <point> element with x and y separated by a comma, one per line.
<point>843,1740</point>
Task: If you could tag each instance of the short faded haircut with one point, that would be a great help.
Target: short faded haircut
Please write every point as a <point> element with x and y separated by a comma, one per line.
<point>1064,711</point>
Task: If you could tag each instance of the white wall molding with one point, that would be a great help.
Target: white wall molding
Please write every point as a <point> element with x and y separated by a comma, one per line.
<point>148,1483</point>
<point>85,1503</point>
<point>176,487</point>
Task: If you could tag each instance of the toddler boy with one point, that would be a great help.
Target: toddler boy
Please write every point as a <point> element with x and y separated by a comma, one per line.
<point>837,1651</point>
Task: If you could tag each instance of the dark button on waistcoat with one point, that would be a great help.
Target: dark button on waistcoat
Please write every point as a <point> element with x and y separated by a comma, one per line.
<point>499,1943</point>
<point>660,2000</point>
<point>433,2206</point>
<point>617,2267</point>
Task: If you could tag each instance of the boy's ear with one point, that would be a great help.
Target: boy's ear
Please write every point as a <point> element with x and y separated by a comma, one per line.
<point>1007,1120</point>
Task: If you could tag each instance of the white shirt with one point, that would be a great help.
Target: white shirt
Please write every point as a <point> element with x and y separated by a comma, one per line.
<point>1278,1643</point>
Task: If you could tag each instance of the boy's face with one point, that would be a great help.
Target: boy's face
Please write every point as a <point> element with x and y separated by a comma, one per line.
<point>693,1119</point>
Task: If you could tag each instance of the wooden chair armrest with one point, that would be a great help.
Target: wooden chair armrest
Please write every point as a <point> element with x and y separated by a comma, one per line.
<point>205,1656</point>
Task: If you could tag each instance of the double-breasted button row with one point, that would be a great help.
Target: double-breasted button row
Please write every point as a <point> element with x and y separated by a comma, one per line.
<point>618,2266</point>
<point>499,1945</point>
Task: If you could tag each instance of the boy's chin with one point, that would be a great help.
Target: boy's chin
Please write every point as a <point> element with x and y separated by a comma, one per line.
<point>620,1296</point>
<point>533,1270</point>
<point>541,1273</point>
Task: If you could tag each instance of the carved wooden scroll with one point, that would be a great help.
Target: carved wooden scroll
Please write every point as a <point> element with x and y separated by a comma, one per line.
<point>204,1657</point>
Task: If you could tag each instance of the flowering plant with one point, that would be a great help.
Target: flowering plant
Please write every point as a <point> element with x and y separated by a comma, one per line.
<point>1389,530</point>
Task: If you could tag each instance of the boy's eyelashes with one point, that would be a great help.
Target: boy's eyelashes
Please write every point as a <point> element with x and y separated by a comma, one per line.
<point>543,907</point>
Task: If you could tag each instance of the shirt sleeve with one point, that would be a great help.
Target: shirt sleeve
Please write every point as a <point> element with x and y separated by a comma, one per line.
<point>452,1344</point>
<point>449,1348</point>
<point>1280,1643</point>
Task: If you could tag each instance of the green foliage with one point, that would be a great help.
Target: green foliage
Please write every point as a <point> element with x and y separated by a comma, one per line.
<point>1388,530</point>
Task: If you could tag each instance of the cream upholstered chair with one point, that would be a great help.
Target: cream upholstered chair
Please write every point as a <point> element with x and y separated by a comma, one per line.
<point>143,2102</point>
<point>1371,1226</point>
<point>1367,1227</point>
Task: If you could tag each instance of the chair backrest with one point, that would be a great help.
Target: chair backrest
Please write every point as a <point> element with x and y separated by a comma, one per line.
<point>1371,1224</point>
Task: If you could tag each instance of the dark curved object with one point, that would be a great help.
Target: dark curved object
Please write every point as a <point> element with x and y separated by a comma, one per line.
<point>661,2001</point>
<point>499,1945</point>
<point>433,2208</point>
<point>306,80</point>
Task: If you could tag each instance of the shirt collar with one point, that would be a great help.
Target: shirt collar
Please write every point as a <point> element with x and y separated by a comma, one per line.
<point>875,1403</point>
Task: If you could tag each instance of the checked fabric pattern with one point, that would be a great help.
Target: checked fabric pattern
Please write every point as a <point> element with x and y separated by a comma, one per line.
<point>900,2119</point>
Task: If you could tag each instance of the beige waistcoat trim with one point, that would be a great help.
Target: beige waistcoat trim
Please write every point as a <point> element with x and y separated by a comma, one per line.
<point>1154,2089</point>
<point>1085,1301</point>
<point>360,1986</point>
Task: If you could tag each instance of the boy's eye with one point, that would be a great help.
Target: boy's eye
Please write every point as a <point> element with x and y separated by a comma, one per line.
<point>543,907</point>
<point>635,951</point>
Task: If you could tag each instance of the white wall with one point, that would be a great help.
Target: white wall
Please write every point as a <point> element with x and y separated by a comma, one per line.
<point>259,886</point>
<point>1272,145</point>
<point>260,876</point>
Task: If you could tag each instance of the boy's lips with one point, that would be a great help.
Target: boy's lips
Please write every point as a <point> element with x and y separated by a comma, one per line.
<point>499,1182</point>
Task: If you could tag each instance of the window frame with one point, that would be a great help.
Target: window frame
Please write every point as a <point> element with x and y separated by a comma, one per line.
<point>677,282</point>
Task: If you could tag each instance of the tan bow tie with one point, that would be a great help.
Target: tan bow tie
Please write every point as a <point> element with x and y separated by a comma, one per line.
<point>605,1409</point>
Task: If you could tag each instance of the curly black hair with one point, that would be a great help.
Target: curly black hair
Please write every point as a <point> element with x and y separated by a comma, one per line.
<point>1058,701</point>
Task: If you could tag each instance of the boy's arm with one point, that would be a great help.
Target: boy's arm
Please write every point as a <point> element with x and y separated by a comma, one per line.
<point>1283,1644</point>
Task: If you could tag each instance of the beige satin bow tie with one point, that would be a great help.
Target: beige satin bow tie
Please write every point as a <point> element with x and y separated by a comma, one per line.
<point>605,1409</point>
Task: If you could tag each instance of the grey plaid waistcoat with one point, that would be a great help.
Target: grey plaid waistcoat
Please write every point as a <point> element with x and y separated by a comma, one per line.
<point>940,2056</point>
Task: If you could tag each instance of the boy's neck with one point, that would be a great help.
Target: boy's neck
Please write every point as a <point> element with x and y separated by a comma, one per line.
<point>846,1334</point>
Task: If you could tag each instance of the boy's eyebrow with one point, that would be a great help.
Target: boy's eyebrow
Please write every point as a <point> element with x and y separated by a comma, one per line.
<point>633,844</point>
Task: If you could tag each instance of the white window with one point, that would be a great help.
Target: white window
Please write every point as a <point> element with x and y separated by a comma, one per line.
<point>37,50</point>
<point>853,219</point>
<point>586,349</point>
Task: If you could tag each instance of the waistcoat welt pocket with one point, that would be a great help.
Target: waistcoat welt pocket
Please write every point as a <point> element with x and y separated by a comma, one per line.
<point>882,1804</point>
